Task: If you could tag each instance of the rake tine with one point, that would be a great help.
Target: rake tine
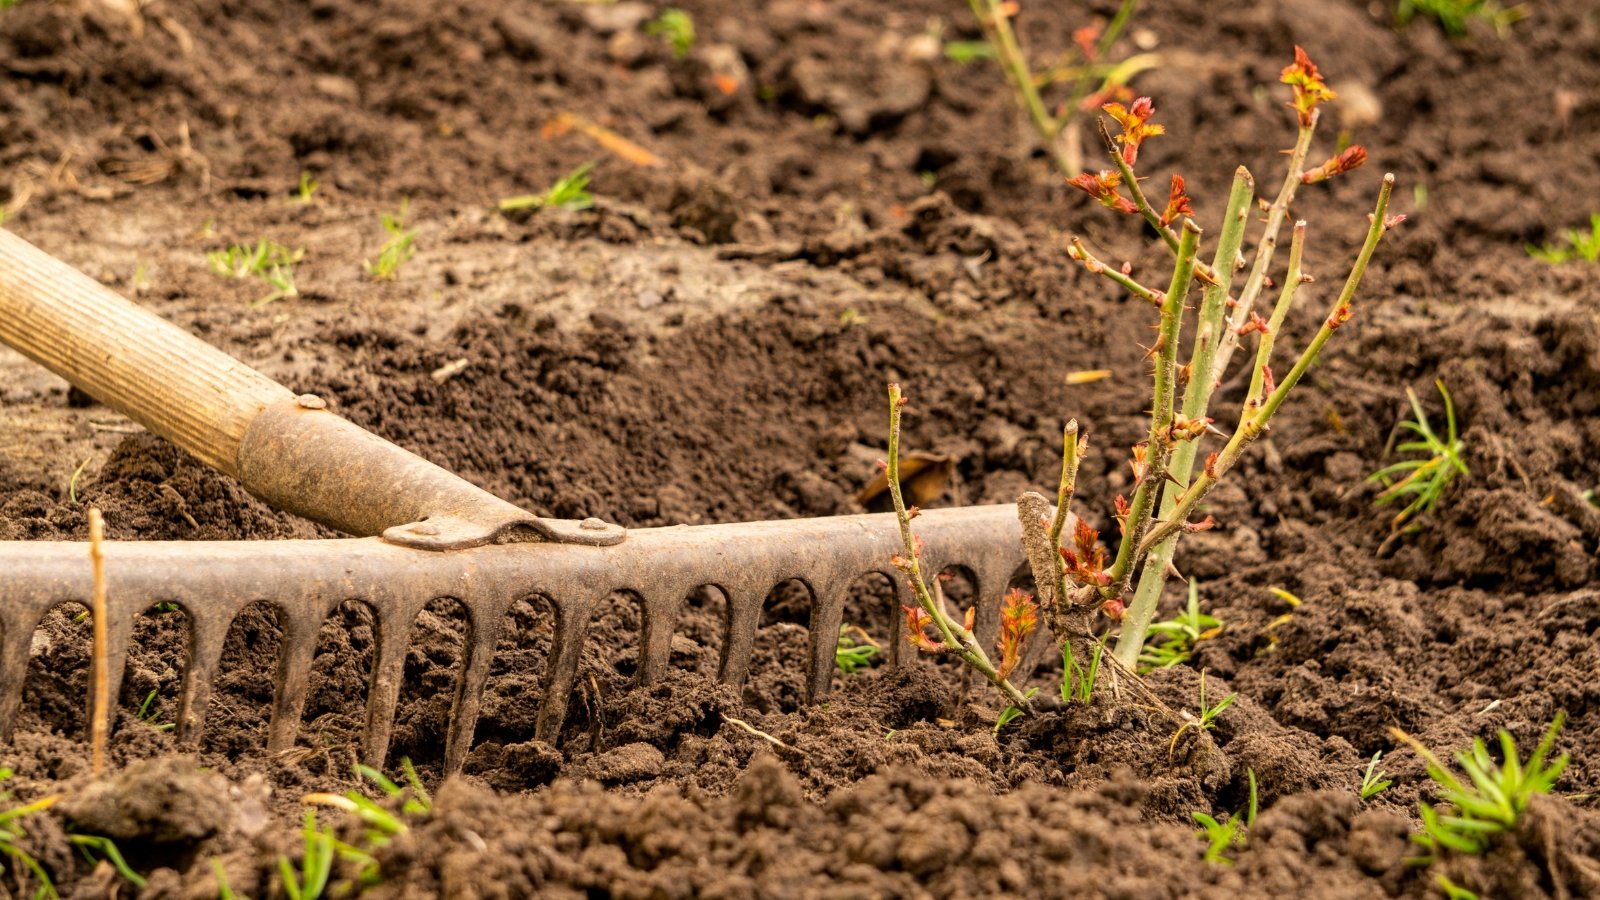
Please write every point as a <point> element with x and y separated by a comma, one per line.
<point>827,615</point>
<point>660,607</point>
<point>303,580</point>
<point>300,629</point>
<point>901,653</point>
<point>16,637</point>
<point>208,633</point>
<point>742,619</point>
<point>392,628</point>
<point>484,621</point>
<point>561,669</point>
<point>660,614</point>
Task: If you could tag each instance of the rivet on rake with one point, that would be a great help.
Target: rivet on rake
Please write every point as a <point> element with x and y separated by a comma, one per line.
<point>311,401</point>
<point>592,524</point>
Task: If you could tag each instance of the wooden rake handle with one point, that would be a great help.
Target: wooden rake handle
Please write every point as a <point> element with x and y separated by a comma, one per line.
<point>288,450</point>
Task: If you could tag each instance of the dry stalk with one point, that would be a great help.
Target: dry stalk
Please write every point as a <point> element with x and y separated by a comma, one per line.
<point>100,702</point>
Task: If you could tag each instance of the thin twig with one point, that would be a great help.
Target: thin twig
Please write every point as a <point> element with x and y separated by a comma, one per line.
<point>1076,250</point>
<point>1276,213</point>
<point>1142,203</point>
<point>954,636</point>
<point>740,723</point>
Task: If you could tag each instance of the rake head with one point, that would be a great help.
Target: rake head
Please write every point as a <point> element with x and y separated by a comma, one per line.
<point>305,580</point>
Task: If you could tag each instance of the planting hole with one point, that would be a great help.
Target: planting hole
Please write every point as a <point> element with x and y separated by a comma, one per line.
<point>241,702</point>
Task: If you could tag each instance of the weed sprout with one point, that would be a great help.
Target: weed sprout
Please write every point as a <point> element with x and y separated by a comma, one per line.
<point>1424,479</point>
<point>1580,245</point>
<point>569,192</point>
<point>676,28</point>
<point>397,249</point>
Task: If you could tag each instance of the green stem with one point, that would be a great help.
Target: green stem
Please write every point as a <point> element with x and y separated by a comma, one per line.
<point>1160,440</point>
<point>1257,413</point>
<point>954,636</point>
<point>1142,203</point>
<point>1276,214</point>
<point>1196,400</point>
<point>1291,284</point>
<point>1076,250</point>
<point>1015,63</point>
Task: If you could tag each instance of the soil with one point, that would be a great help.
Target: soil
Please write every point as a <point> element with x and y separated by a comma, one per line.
<point>836,205</point>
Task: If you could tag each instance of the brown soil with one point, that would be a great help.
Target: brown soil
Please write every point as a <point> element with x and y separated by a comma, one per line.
<point>710,344</point>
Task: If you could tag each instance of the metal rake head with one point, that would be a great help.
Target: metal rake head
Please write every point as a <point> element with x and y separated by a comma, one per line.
<point>214,581</point>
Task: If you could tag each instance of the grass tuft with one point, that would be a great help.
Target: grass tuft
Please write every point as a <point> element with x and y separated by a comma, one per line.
<point>675,27</point>
<point>1492,797</point>
<point>1423,479</point>
<point>1579,245</point>
<point>397,249</point>
<point>268,261</point>
<point>569,192</point>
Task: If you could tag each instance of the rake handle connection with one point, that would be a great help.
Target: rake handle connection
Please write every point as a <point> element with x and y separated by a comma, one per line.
<point>290,451</point>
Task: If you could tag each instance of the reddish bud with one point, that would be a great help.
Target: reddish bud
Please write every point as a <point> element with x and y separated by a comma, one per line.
<point>1137,463</point>
<point>1019,616</point>
<point>1136,125</point>
<point>1127,267</point>
<point>913,512</point>
<point>1340,316</point>
<point>1206,524</point>
<point>1085,38</point>
<point>1102,186</point>
<point>1187,429</point>
<point>1122,506</point>
<point>1256,323</point>
<point>883,465</point>
<point>1391,222</point>
<point>917,620</point>
<point>1353,157</point>
<point>1177,202</point>
<point>1211,466</point>
<point>1269,383</point>
<point>1309,88</point>
<point>1114,609</point>
<point>971,617</point>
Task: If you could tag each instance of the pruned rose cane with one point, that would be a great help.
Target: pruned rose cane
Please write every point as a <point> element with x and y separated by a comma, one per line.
<point>1088,578</point>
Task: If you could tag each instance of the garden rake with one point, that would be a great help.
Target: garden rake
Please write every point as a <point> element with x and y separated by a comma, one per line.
<point>420,533</point>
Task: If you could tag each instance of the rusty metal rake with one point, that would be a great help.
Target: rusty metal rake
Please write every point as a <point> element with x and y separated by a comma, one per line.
<point>422,534</point>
